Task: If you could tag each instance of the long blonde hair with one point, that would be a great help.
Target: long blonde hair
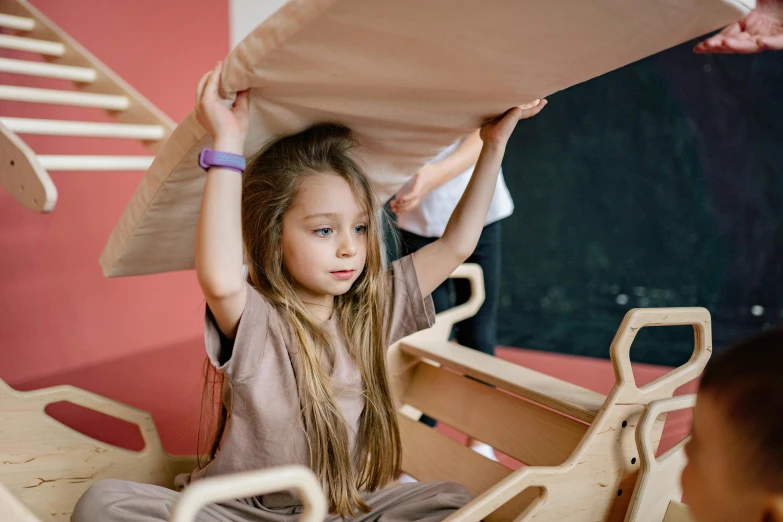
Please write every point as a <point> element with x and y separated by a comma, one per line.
<point>270,185</point>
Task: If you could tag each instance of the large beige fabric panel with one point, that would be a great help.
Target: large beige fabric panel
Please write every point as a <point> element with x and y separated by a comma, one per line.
<point>408,76</point>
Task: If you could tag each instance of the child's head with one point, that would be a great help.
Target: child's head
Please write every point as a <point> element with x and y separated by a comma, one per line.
<point>308,216</point>
<point>735,458</point>
<point>312,241</point>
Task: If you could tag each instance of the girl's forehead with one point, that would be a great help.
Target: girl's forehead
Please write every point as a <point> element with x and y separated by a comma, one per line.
<point>326,193</point>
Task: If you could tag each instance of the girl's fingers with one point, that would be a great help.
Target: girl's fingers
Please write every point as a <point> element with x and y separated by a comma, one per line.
<point>529,113</point>
<point>202,84</point>
<point>513,114</point>
<point>530,105</point>
<point>241,102</point>
<point>535,110</point>
<point>210,89</point>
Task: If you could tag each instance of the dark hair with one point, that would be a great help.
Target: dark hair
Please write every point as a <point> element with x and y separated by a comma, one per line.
<point>746,380</point>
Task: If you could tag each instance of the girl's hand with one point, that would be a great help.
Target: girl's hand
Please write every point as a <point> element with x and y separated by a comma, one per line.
<point>227,126</point>
<point>498,130</point>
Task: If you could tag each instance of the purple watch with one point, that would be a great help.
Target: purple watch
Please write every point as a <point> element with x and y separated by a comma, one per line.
<point>226,160</point>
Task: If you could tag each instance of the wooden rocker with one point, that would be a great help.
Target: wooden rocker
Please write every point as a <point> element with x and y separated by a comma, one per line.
<point>580,447</point>
<point>46,466</point>
<point>584,450</point>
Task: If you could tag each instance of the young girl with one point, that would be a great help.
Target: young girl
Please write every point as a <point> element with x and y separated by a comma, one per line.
<point>302,340</point>
<point>735,455</point>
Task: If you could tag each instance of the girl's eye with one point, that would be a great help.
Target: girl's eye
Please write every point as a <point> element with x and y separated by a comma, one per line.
<point>360,229</point>
<point>324,232</point>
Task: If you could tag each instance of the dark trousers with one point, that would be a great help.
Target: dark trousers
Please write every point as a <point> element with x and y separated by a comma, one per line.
<point>480,331</point>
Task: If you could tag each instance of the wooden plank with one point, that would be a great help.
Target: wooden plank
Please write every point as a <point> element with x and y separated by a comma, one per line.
<point>296,477</point>
<point>431,456</point>
<point>31,45</point>
<point>61,97</point>
<point>569,399</point>
<point>47,70</point>
<point>85,129</point>
<point>17,22</point>
<point>677,512</point>
<point>658,482</point>
<point>527,432</point>
<point>93,163</point>
<point>13,509</point>
<point>23,176</point>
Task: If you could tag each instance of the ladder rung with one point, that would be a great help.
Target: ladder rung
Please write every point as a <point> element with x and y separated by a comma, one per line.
<point>83,129</point>
<point>17,22</point>
<point>48,70</point>
<point>68,163</point>
<point>32,45</point>
<point>80,99</point>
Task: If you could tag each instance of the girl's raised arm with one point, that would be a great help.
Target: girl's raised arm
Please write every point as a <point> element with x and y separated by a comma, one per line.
<point>436,261</point>
<point>219,230</point>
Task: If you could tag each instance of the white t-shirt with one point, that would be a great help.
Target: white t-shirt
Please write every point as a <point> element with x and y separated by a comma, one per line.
<point>430,217</point>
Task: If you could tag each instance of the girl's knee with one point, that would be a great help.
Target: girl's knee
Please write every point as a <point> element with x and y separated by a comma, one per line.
<point>456,493</point>
<point>95,502</point>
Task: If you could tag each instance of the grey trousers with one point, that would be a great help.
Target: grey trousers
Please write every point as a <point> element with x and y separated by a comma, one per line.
<point>122,501</point>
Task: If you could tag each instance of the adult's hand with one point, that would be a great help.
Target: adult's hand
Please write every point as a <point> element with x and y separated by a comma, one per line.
<point>760,30</point>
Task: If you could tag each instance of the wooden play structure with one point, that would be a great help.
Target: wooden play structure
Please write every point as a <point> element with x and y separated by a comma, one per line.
<point>55,55</point>
<point>589,457</point>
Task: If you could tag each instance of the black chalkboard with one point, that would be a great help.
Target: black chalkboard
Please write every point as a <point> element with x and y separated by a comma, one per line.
<point>659,184</point>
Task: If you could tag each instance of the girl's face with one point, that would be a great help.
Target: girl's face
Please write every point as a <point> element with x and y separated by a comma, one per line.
<point>715,481</point>
<point>324,238</point>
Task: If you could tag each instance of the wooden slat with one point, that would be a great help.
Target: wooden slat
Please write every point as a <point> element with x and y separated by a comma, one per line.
<point>295,477</point>
<point>431,456</point>
<point>140,111</point>
<point>83,129</point>
<point>677,512</point>
<point>60,97</point>
<point>13,509</point>
<point>93,163</point>
<point>31,45</point>
<point>567,398</point>
<point>20,23</point>
<point>655,488</point>
<point>527,432</point>
<point>48,70</point>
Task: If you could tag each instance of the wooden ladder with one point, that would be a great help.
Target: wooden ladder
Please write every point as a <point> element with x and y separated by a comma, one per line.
<point>23,173</point>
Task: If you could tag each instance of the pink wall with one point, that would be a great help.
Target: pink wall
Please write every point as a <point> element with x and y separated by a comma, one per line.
<point>57,312</point>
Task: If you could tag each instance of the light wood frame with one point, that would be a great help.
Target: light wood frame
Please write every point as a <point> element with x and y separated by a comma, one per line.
<point>586,463</point>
